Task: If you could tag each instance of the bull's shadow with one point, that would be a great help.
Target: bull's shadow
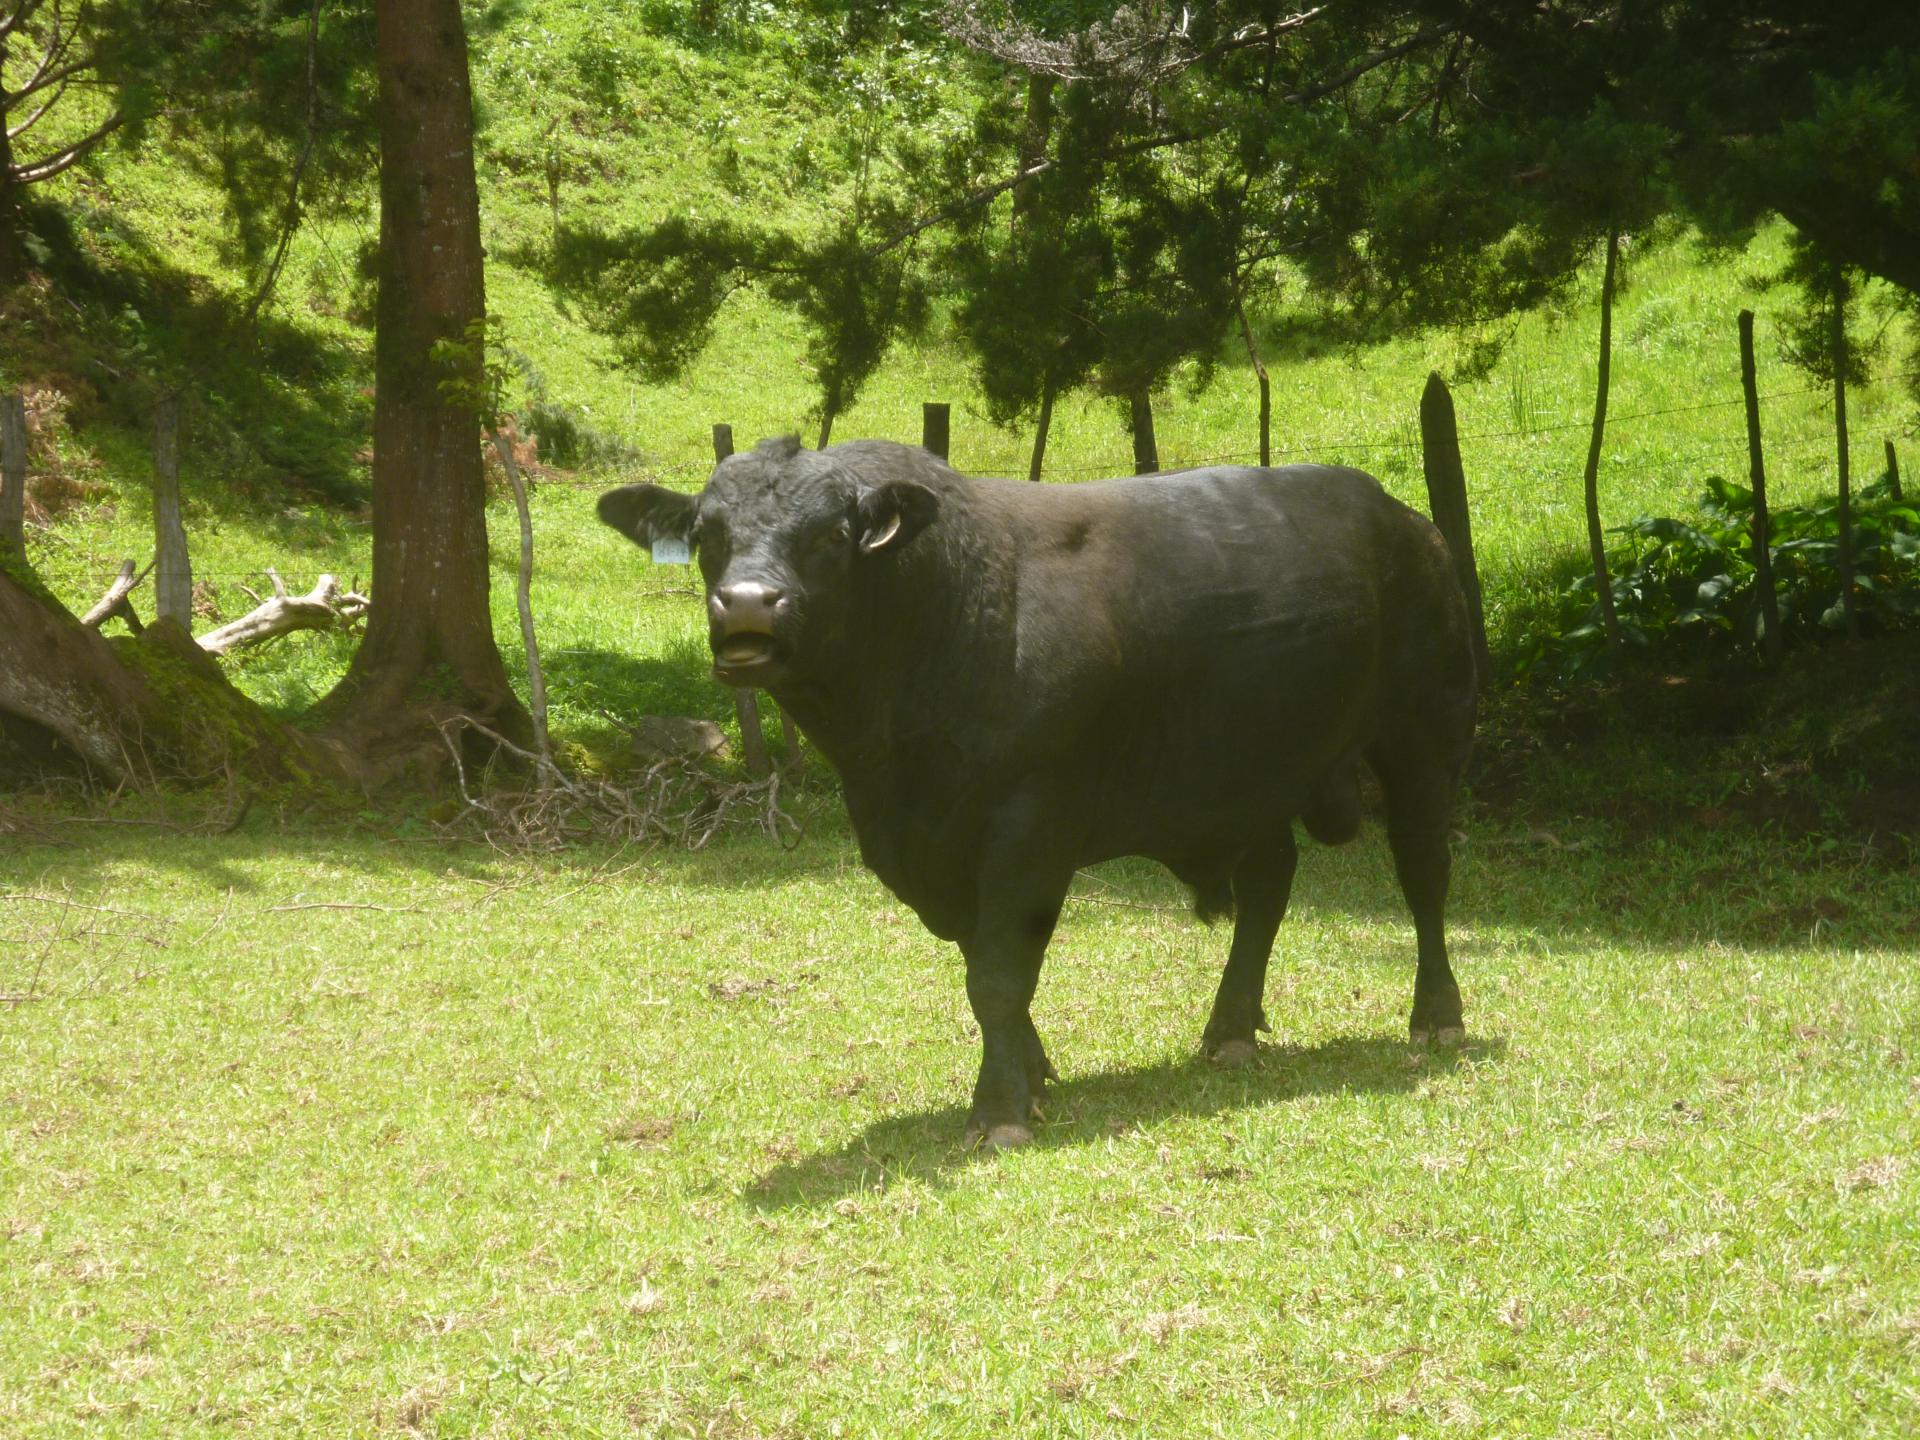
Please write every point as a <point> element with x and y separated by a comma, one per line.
<point>925,1145</point>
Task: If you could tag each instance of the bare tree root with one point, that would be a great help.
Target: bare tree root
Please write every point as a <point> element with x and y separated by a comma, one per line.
<point>676,801</point>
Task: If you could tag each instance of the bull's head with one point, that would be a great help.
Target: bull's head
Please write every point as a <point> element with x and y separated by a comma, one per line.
<point>781,534</point>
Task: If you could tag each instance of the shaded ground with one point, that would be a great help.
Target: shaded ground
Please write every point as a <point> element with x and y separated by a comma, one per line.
<point>1826,751</point>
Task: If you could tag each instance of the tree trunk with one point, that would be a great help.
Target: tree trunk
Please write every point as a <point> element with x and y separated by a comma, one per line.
<point>1040,429</point>
<point>523,598</point>
<point>142,709</point>
<point>429,651</point>
<point>1035,136</point>
<point>1596,543</point>
<point>1266,383</point>
<point>1146,450</point>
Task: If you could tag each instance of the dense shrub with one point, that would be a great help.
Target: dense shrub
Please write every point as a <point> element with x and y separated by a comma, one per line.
<point>1687,586</point>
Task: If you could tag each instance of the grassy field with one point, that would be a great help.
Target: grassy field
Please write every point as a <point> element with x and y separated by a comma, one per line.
<point>343,1127</point>
<point>331,1132</point>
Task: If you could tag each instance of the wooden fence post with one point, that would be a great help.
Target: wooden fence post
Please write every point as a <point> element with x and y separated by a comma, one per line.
<point>1837,334</point>
<point>1447,500</point>
<point>1893,471</point>
<point>172,570</point>
<point>746,705</point>
<point>1770,640</point>
<point>1146,450</point>
<point>13,474</point>
<point>936,427</point>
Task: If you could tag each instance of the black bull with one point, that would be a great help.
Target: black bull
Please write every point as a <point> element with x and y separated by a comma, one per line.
<point>1016,680</point>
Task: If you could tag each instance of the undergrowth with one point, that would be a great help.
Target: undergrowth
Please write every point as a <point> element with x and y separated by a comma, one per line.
<point>1687,589</point>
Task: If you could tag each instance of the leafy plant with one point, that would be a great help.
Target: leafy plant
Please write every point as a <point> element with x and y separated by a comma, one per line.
<point>1688,585</point>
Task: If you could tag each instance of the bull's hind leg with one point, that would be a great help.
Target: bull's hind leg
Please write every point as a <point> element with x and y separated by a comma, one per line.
<point>1262,881</point>
<point>1419,801</point>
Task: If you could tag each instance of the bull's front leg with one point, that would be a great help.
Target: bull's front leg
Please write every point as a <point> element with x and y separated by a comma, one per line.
<point>1020,899</point>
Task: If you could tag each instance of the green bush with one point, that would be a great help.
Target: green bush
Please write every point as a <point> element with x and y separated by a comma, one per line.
<point>1685,587</point>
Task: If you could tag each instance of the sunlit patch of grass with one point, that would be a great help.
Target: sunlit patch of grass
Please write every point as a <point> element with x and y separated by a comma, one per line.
<point>326,1133</point>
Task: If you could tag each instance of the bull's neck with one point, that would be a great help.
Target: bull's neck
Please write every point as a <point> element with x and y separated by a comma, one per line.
<point>935,631</point>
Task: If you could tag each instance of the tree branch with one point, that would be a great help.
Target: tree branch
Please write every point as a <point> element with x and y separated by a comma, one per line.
<point>24,11</point>
<point>14,131</point>
<point>52,77</point>
<point>1369,63</point>
<point>59,41</point>
<point>54,164</point>
<point>114,602</point>
<point>987,193</point>
<point>1248,37</point>
<point>325,607</point>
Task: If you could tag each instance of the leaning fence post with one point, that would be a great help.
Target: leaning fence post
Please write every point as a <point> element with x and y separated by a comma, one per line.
<point>13,473</point>
<point>172,571</point>
<point>1757,478</point>
<point>936,427</point>
<point>746,706</point>
<point>1893,471</point>
<point>1447,499</point>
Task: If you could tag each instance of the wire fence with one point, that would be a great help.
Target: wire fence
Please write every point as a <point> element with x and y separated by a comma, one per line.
<point>1524,481</point>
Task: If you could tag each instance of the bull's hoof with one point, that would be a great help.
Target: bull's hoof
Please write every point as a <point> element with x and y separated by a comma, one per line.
<point>1445,1037</point>
<point>1235,1054</point>
<point>998,1137</point>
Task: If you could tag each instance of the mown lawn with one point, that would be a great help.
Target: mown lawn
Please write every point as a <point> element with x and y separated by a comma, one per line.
<point>330,1132</point>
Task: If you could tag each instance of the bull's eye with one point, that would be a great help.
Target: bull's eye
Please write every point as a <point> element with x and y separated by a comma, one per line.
<point>832,537</point>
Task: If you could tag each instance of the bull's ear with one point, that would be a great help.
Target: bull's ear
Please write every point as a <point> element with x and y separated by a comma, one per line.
<point>646,513</point>
<point>892,514</point>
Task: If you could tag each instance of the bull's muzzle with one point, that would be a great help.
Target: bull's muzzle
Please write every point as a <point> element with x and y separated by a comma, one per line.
<point>740,624</point>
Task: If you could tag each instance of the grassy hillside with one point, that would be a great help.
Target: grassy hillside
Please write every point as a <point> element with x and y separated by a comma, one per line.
<point>624,114</point>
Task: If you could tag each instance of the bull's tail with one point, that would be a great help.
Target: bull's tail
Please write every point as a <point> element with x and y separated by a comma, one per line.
<point>1332,815</point>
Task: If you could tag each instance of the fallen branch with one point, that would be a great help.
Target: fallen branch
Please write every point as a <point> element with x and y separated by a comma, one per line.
<point>114,602</point>
<point>343,905</point>
<point>324,607</point>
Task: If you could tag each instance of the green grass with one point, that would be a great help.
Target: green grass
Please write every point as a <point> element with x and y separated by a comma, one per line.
<point>619,1143</point>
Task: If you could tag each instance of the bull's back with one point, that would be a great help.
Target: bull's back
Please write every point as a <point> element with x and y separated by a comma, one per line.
<point>1221,639</point>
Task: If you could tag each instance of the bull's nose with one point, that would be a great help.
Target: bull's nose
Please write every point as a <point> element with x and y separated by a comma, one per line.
<point>747,606</point>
